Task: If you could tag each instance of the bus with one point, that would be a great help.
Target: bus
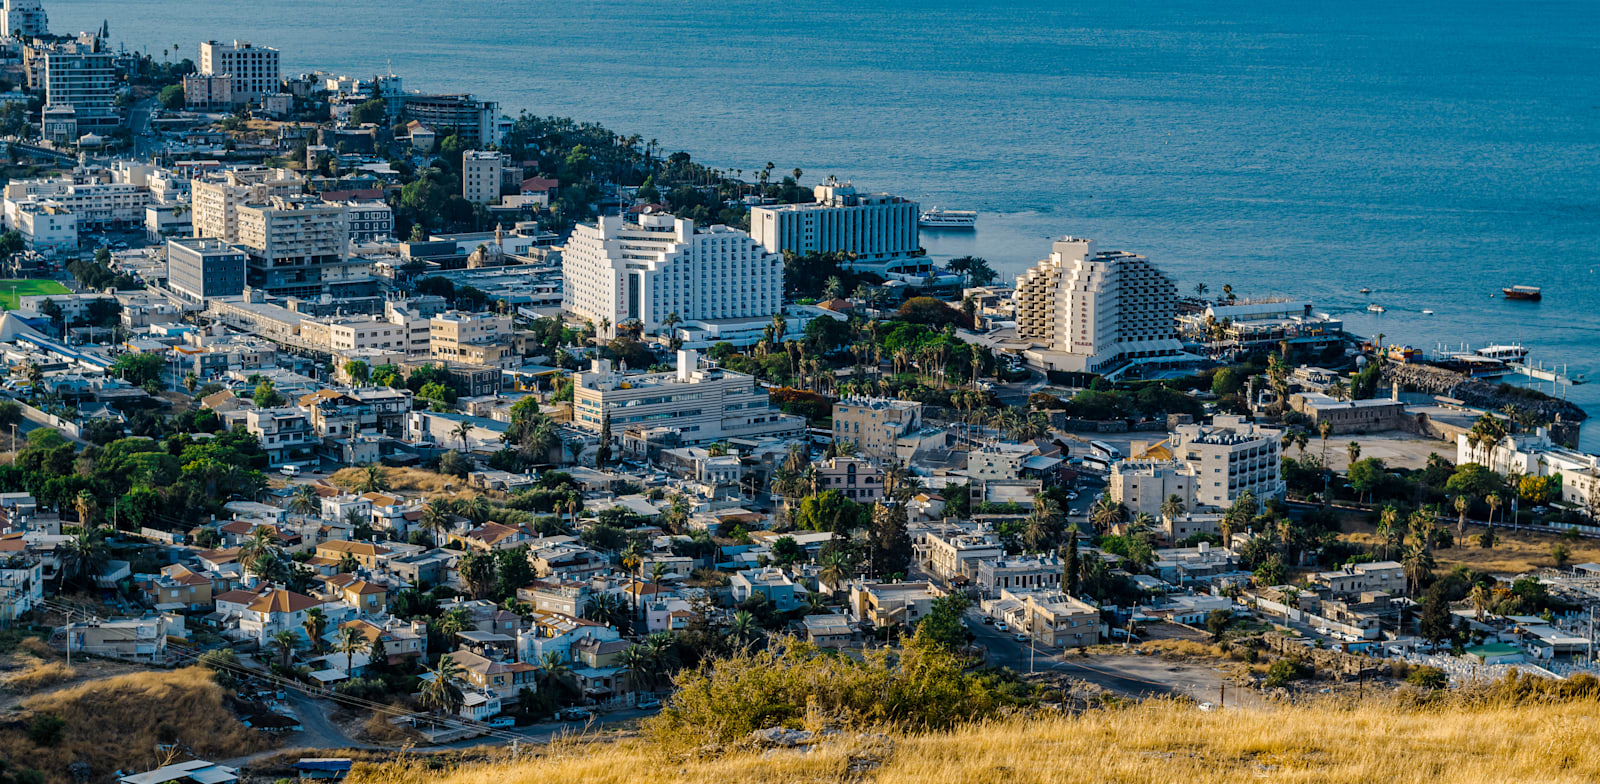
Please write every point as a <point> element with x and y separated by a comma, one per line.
<point>1097,463</point>
<point>1105,450</point>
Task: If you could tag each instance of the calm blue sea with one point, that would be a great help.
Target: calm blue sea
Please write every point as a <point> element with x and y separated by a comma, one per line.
<point>1431,151</point>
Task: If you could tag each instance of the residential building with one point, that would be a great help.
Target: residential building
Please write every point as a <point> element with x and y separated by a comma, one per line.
<point>82,74</point>
<point>1020,573</point>
<point>196,771</point>
<point>480,175</point>
<point>477,122</point>
<point>47,228</point>
<point>1377,576</point>
<point>957,552</point>
<point>828,630</point>
<point>370,220</point>
<point>208,92</point>
<point>217,197</point>
<point>95,204</point>
<point>859,480</point>
<point>1049,616</point>
<point>663,266</point>
<point>295,245</point>
<point>254,69</point>
<point>1229,457</point>
<point>23,19</point>
<point>1142,486</point>
<point>890,604</point>
<point>1090,311</point>
<point>1536,455</point>
<point>875,424</point>
<point>285,433</point>
<point>199,268</point>
<point>698,401</point>
<point>877,231</point>
<point>474,338</point>
<point>501,679</point>
<point>274,611</point>
<point>771,582</point>
<point>367,554</point>
<point>21,584</point>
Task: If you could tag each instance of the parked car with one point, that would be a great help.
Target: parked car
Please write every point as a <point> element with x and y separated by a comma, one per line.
<point>650,704</point>
<point>502,721</point>
<point>988,619</point>
<point>1020,637</point>
<point>1001,625</point>
<point>290,470</point>
<point>576,714</point>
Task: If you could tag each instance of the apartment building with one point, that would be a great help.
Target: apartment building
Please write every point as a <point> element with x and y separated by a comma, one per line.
<point>199,268</point>
<point>295,245</point>
<point>1048,616</point>
<point>207,92</point>
<point>859,480</point>
<point>254,69</point>
<point>878,231</point>
<point>1535,454</point>
<point>97,205</point>
<point>481,175</point>
<point>368,411</point>
<point>1020,573</point>
<point>46,227</point>
<point>474,338</point>
<point>1142,486</point>
<point>370,221</point>
<point>874,424</point>
<point>698,401</point>
<point>82,74</point>
<point>957,552</point>
<point>23,19</point>
<point>344,334</point>
<point>477,122</point>
<point>1229,457</point>
<point>217,197</point>
<point>892,604</point>
<point>661,266</point>
<point>1089,311</point>
<point>285,433</point>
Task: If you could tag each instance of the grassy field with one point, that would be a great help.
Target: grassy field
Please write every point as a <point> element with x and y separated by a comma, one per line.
<point>10,290</point>
<point>1514,552</point>
<point>1391,739</point>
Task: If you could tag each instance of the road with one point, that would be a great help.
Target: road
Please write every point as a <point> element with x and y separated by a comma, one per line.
<point>139,123</point>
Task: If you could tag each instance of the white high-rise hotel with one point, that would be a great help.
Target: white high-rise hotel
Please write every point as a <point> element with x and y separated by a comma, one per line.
<point>1089,311</point>
<point>879,231</point>
<point>619,271</point>
<point>254,68</point>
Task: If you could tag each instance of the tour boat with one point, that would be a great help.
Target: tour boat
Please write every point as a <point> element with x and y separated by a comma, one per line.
<point>948,219</point>
<point>1523,292</point>
<point>1376,308</point>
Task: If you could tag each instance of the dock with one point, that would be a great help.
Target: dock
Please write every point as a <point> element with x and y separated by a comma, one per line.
<point>1541,373</point>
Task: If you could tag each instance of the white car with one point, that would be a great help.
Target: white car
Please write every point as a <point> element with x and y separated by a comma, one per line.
<point>1000,626</point>
<point>290,470</point>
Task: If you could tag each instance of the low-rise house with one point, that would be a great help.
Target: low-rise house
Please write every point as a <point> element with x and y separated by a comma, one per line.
<point>957,552</point>
<point>177,587</point>
<point>357,594</point>
<point>1021,572</point>
<point>770,582</point>
<point>276,610</point>
<point>568,560</point>
<point>557,633</point>
<point>1378,576</point>
<point>567,597</point>
<point>1183,565</point>
<point>401,640</point>
<point>828,630</point>
<point>367,554</point>
<point>503,679</point>
<point>490,537</point>
<point>133,639</point>
<point>859,480</point>
<point>888,604</point>
<point>190,772</point>
<point>1049,616</point>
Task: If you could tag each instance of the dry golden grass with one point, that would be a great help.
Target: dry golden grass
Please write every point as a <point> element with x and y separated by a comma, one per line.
<point>410,480</point>
<point>1514,552</point>
<point>36,674</point>
<point>1331,741</point>
<point>118,723</point>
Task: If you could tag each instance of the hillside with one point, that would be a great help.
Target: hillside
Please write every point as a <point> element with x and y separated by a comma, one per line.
<point>1460,741</point>
<point>119,722</point>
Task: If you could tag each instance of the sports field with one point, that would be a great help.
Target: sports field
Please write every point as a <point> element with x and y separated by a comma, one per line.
<point>10,290</point>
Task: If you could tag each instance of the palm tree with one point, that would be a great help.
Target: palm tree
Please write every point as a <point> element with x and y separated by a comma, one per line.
<point>305,501</point>
<point>1462,504</point>
<point>440,693</point>
<point>1105,513</point>
<point>455,622</point>
<point>1352,450</point>
<point>1200,289</point>
<point>742,629</point>
<point>462,431</point>
<point>86,554</point>
<point>636,660</point>
<point>1338,390</point>
<point>1482,599</point>
<point>351,641</point>
<point>438,517</point>
<point>347,564</point>
<point>554,670</point>
<point>1173,507</point>
<point>1388,528</point>
<point>315,624</point>
<point>1494,501</point>
<point>1325,430</point>
<point>836,568</point>
<point>1418,564</point>
<point>86,507</point>
<point>373,480</point>
<point>286,642</point>
<point>262,553</point>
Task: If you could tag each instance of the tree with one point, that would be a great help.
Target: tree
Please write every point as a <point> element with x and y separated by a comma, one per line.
<point>373,480</point>
<point>171,97</point>
<point>1461,504</point>
<point>1560,555</point>
<point>1042,530</point>
<point>1173,507</point>
<point>1352,450</point>
<point>86,555</point>
<point>438,517</point>
<point>462,431</point>
<point>742,629</point>
<point>1365,475</point>
<point>358,372</point>
<point>1325,430</point>
<point>1070,575</point>
<point>139,369</point>
<point>369,112</point>
<point>836,567</point>
<point>454,464</point>
<point>266,395</point>
<point>1270,572</point>
<point>439,692</point>
<point>262,552</point>
<point>286,641</point>
<point>305,501</point>
<point>1435,623</point>
<point>477,571</point>
<point>1217,623</point>
<point>1417,560</point>
<point>351,641</point>
<point>315,624</point>
<point>890,543</point>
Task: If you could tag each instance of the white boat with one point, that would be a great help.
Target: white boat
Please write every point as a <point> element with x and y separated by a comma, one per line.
<point>1504,353</point>
<point>1376,308</point>
<point>1427,312</point>
<point>936,218</point>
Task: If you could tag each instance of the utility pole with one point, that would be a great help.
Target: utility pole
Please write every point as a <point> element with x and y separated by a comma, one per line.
<point>1222,695</point>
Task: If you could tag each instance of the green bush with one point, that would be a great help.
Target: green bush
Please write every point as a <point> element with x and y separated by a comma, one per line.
<point>1284,671</point>
<point>46,730</point>
<point>1428,678</point>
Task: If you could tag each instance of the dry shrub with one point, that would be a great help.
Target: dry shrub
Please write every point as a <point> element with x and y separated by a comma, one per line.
<point>39,674</point>
<point>118,722</point>
<point>409,480</point>
<point>1186,649</point>
<point>377,729</point>
<point>36,646</point>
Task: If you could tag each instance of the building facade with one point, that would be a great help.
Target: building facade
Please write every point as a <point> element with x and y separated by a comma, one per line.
<point>1230,456</point>
<point>700,402</point>
<point>874,424</point>
<point>665,266</point>
<point>878,231</point>
<point>1089,311</point>
<point>82,75</point>
<point>254,68</point>
<point>480,175</point>
<point>199,268</point>
<point>23,19</point>
<point>295,245</point>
